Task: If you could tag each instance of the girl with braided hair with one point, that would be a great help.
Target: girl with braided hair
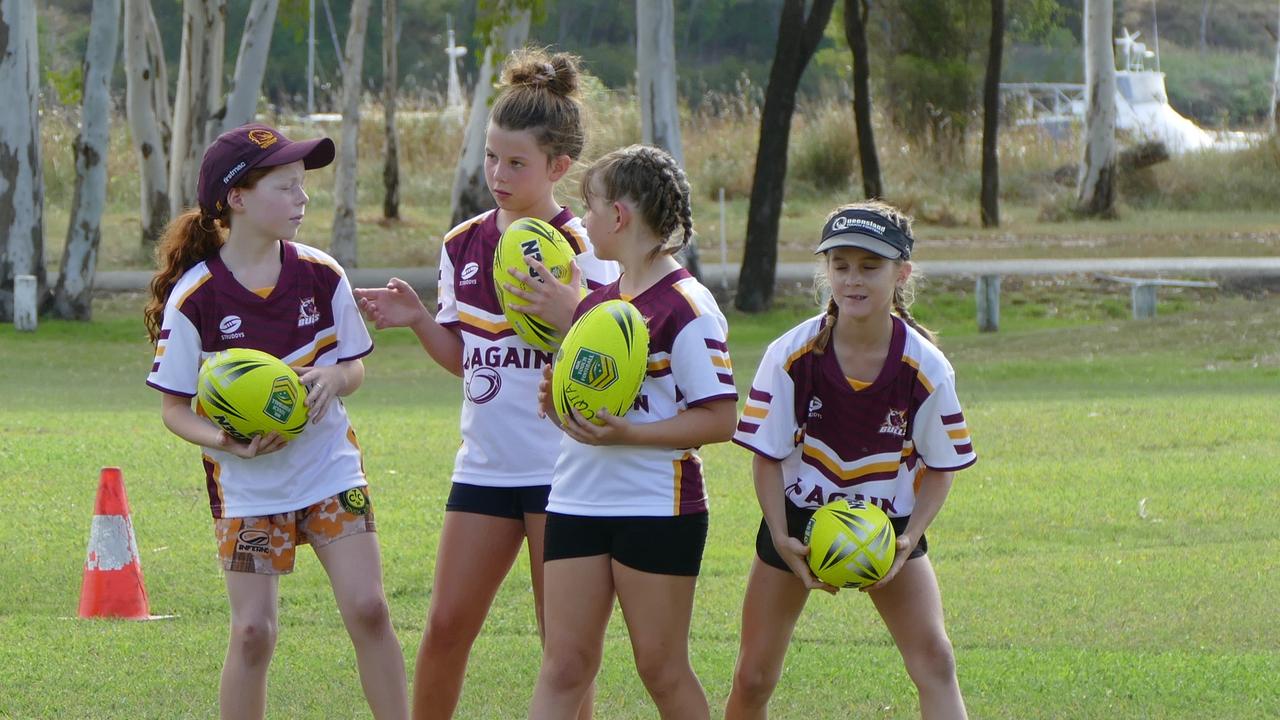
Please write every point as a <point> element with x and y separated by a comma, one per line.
<point>855,403</point>
<point>498,496</point>
<point>627,516</point>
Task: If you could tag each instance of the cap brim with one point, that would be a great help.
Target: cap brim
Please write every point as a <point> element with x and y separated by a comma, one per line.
<point>313,153</point>
<point>860,241</point>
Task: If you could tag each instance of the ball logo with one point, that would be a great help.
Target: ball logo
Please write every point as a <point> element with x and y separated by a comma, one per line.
<point>483,385</point>
<point>262,138</point>
<point>594,370</point>
<point>469,270</point>
<point>282,400</point>
<point>229,324</point>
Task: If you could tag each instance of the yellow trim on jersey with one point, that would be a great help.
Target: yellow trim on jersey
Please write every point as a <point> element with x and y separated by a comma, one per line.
<point>351,436</point>
<point>319,261</point>
<point>834,466</point>
<point>321,345</point>
<point>655,365</point>
<point>958,434</point>
<point>160,348</point>
<point>264,292</point>
<point>217,475</point>
<point>574,238</point>
<point>464,227</point>
<point>808,346</point>
<point>857,384</point>
<point>207,276</point>
<point>476,321</point>
<point>915,364</point>
<point>675,490</point>
<point>722,361</point>
<point>755,412</point>
<point>697,312</point>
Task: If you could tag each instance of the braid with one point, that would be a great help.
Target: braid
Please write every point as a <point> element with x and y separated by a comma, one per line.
<point>902,308</point>
<point>828,324</point>
<point>651,179</point>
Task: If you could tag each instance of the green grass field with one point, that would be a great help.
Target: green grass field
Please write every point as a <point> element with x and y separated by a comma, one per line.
<point>1063,599</point>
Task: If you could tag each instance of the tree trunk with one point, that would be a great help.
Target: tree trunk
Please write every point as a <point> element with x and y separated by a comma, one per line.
<point>798,37</point>
<point>251,64</point>
<point>343,244</point>
<point>199,93</point>
<point>1275,87</point>
<point>659,99</point>
<point>990,200</point>
<point>72,298</point>
<point>1096,191</point>
<point>470,195</point>
<point>147,110</point>
<point>855,33</point>
<point>390,80</point>
<point>21,178</point>
<point>1205,7</point>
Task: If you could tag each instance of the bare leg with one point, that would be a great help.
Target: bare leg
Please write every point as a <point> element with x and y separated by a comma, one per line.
<point>461,594</point>
<point>911,606</point>
<point>579,601</point>
<point>354,566</point>
<point>254,603</point>
<point>770,610</point>
<point>658,610</point>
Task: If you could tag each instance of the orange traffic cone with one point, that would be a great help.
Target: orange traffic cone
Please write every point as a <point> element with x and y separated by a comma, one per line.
<point>112,584</point>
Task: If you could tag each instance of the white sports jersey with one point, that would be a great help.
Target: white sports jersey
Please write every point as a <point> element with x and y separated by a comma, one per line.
<point>870,444</point>
<point>688,365</point>
<point>504,442</point>
<point>309,318</point>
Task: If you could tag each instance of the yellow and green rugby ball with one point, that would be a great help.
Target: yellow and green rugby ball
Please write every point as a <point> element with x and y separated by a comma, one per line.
<point>538,239</point>
<point>851,543</point>
<point>602,362</point>
<point>250,392</point>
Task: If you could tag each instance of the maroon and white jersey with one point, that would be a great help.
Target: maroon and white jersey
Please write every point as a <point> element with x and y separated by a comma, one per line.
<point>872,443</point>
<point>688,366</point>
<point>504,442</point>
<point>309,318</point>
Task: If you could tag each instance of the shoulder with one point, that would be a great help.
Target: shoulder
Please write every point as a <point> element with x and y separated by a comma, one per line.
<point>574,232</point>
<point>463,230</point>
<point>930,365</point>
<point>189,284</point>
<point>315,256</point>
<point>796,343</point>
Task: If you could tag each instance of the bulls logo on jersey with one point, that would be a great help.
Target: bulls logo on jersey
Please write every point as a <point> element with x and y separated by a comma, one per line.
<point>895,423</point>
<point>307,312</point>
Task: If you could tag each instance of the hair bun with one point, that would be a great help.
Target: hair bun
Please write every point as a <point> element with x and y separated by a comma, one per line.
<point>537,69</point>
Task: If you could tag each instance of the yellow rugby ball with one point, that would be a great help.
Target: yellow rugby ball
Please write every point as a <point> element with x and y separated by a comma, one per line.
<point>249,392</point>
<point>602,362</point>
<point>530,237</point>
<point>851,543</point>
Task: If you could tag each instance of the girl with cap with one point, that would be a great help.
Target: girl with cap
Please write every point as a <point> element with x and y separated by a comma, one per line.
<point>498,495</point>
<point>855,403</point>
<point>231,277</point>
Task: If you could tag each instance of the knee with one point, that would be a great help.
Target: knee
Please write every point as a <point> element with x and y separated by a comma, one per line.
<point>254,640</point>
<point>447,631</point>
<point>753,685</point>
<point>370,615</point>
<point>568,670</point>
<point>661,675</point>
<point>932,663</point>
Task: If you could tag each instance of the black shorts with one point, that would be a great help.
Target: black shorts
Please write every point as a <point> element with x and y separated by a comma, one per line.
<point>659,545</point>
<point>798,519</point>
<point>505,502</point>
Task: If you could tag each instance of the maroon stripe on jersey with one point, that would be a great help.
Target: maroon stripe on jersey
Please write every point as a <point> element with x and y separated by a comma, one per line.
<point>592,285</point>
<point>716,344</point>
<point>841,482</point>
<point>727,379</point>
<point>481,332</point>
<point>155,366</point>
<point>746,427</point>
<point>164,334</point>
<point>953,419</point>
<point>660,372</point>
<point>356,356</point>
<point>712,398</point>
<point>693,496</point>
<point>760,395</point>
<point>955,468</point>
<point>167,391</point>
<point>964,449</point>
<point>215,501</point>
<point>756,450</point>
<point>451,323</point>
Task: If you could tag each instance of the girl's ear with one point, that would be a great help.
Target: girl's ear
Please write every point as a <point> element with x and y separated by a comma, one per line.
<point>621,215</point>
<point>560,165</point>
<point>235,199</point>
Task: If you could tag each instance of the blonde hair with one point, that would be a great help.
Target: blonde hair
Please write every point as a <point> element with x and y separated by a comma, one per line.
<point>189,239</point>
<point>539,93</point>
<point>652,180</point>
<point>903,295</point>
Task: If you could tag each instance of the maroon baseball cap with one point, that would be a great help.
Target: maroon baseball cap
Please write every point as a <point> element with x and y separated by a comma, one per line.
<point>237,151</point>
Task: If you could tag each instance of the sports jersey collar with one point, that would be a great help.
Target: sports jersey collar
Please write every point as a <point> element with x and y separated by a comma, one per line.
<point>663,283</point>
<point>888,371</point>
<point>226,279</point>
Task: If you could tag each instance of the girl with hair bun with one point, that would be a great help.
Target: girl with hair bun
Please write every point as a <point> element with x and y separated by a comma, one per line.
<point>497,501</point>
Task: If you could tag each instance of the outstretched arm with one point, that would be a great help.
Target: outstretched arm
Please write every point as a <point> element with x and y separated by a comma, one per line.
<point>397,305</point>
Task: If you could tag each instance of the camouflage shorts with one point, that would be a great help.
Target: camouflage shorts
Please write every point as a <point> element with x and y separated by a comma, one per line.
<point>265,545</point>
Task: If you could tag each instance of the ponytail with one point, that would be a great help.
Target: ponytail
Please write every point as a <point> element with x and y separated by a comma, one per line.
<point>190,239</point>
<point>828,325</point>
<point>902,308</point>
